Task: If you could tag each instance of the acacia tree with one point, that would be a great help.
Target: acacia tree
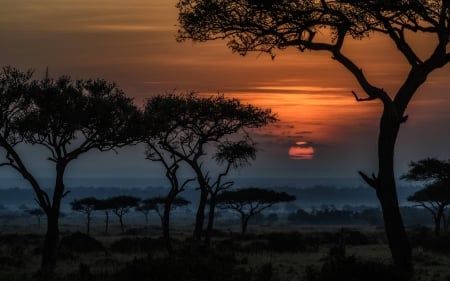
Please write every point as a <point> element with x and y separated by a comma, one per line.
<point>67,118</point>
<point>434,197</point>
<point>160,205</point>
<point>231,155</point>
<point>191,126</point>
<point>266,26</point>
<point>121,205</point>
<point>251,201</point>
<point>87,206</point>
<point>104,205</point>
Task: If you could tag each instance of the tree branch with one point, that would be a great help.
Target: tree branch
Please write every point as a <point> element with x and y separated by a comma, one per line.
<point>371,181</point>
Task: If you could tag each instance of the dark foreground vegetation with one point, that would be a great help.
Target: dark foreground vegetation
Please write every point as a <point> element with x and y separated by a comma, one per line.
<point>304,254</point>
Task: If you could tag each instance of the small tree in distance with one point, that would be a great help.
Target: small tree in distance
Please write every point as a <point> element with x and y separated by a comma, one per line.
<point>87,206</point>
<point>37,212</point>
<point>121,205</point>
<point>104,205</point>
<point>434,197</point>
<point>249,202</point>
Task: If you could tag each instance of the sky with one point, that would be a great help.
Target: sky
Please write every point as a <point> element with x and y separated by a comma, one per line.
<point>322,133</point>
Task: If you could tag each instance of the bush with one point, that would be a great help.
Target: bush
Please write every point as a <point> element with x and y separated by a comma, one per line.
<point>186,268</point>
<point>80,242</point>
<point>425,238</point>
<point>137,245</point>
<point>351,269</point>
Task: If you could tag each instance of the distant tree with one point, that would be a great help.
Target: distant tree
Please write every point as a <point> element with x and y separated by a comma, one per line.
<point>249,202</point>
<point>37,212</point>
<point>68,119</point>
<point>121,205</point>
<point>87,206</point>
<point>327,25</point>
<point>429,170</point>
<point>104,205</point>
<point>434,197</point>
<point>229,155</point>
<point>191,126</point>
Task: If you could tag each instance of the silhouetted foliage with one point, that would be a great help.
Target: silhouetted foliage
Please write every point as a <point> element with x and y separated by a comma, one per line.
<point>106,206</point>
<point>435,196</point>
<point>249,202</point>
<point>87,206</point>
<point>267,26</point>
<point>121,205</point>
<point>67,118</point>
<point>185,128</point>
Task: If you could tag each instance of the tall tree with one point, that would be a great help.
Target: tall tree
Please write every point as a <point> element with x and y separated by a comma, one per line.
<point>104,205</point>
<point>251,201</point>
<point>87,206</point>
<point>68,119</point>
<point>121,205</point>
<point>326,25</point>
<point>191,126</point>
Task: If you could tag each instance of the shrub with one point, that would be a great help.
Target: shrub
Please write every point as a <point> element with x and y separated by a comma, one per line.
<point>137,245</point>
<point>80,242</point>
<point>351,269</point>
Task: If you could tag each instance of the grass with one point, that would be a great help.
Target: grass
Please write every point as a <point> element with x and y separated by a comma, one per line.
<point>264,255</point>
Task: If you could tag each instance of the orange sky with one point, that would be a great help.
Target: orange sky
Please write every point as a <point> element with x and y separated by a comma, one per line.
<point>133,44</point>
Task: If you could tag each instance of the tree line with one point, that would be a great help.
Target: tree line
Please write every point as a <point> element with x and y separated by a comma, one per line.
<point>69,118</point>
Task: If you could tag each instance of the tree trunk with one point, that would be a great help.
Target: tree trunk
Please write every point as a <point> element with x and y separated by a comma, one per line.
<point>50,250</point>
<point>437,220</point>
<point>387,193</point>
<point>165,223</point>
<point>122,228</point>
<point>210,226</point>
<point>88,226</point>
<point>200,217</point>
<point>244,221</point>
<point>106,221</point>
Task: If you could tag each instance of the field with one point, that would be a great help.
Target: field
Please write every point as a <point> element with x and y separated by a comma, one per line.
<point>278,253</point>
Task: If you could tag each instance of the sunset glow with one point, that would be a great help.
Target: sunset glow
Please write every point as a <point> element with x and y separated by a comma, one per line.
<point>133,44</point>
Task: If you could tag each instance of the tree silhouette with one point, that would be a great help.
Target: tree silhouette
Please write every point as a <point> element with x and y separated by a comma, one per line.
<point>67,118</point>
<point>231,154</point>
<point>121,205</point>
<point>326,25</point>
<point>188,125</point>
<point>87,206</point>
<point>249,202</point>
<point>104,205</point>
<point>160,206</point>
<point>37,212</point>
<point>435,196</point>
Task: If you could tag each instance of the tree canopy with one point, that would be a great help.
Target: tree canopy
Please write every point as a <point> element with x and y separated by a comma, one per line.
<point>326,25</point>
<point>250,201</point>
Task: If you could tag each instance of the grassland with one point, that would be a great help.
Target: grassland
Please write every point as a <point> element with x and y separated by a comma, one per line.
<point>266,254</point>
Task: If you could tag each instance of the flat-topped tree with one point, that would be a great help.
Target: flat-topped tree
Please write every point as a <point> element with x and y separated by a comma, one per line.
<point>435,196</point>
<point>85,205</point>
<point>121,205</point>
<point>68,119</point>
<point>251,201</point>
<point>327,25</point>
<point>229,155</point>
<point>190,127</point>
